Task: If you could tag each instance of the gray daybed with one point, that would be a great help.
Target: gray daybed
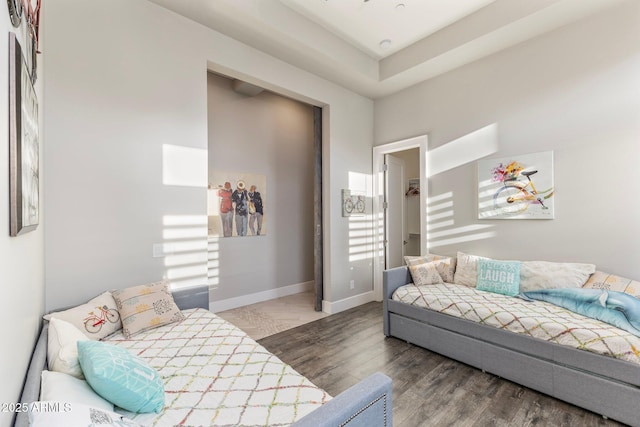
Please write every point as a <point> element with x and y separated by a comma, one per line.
<point>601,384</point>
<point>368,403</point>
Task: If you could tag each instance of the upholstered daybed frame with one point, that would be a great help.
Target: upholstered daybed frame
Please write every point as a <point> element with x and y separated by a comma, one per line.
<point>601,384</point>
<point>368,403</point>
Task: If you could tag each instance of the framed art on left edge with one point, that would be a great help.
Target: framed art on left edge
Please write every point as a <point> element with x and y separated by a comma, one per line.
<point>24,156</point>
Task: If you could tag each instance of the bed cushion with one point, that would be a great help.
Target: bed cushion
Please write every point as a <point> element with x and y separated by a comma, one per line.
<point>425,273</point>
<point>58,414</point>
<point>536,319</point>
<point>146,307</point>
<point>611,282</point>
<point>501,277</point>
<point>96,319</point>
<point>59,387</point>
<point>120,377</point>
<point>445,265</point>
<point>215,374</point>
<point>62,349</point>
<point>536,275</point>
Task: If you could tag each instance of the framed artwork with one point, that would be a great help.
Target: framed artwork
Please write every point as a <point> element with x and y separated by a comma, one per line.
<point>24,147</point>
<point>517,187</point>
<point>237,204</point>
<point>352,204</point>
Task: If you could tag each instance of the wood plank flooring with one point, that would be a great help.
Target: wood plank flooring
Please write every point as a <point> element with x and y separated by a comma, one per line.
<point>428,389</point>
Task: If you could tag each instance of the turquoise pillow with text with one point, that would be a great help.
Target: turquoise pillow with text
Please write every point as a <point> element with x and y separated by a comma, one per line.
<point>500,277</point>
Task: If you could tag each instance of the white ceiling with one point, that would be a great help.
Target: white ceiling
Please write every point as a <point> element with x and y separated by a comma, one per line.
<point>365,24</point>
<point>339,40</point>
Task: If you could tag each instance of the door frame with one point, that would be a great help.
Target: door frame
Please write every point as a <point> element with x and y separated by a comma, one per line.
<point>379,151</point>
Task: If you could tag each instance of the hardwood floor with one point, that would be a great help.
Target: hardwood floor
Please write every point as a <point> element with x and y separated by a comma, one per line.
<point>428,389</point>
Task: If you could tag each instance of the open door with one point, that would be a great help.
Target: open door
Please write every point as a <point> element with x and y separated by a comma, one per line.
<point>394,211</point>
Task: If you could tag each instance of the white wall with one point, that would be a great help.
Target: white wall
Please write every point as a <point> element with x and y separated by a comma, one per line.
<point>22,257</point>
<point>575,91</point>
<point>121,85</point>
<point>268,135</point>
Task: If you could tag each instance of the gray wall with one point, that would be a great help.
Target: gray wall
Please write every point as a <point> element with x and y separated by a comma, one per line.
<point>575,91</point>
<point>21,257</point>
<point>268,135</point>
<point>115,100</point>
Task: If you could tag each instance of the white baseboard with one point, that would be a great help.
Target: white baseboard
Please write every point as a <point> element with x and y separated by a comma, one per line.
<point>347,303</point>
<point>231,303</point>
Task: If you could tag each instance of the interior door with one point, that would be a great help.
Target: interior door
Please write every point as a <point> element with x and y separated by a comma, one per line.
<point>394,211</point>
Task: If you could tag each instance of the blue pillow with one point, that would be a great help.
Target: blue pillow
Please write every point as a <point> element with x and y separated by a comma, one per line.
<point>120,377</point>
<point>501,277</point>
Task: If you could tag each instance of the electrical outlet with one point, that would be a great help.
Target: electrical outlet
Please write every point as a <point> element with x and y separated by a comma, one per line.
<point>352,284</point>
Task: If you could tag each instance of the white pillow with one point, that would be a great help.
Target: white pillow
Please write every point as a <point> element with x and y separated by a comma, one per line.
<point>61,414</point>
<point>96,319</point>
<point>467,269</point>
<point>549,275</point>
<point>62,347</point>
<point>59,387</point>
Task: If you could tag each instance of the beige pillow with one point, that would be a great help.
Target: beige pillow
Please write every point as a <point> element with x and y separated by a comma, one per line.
<point>146,307</point>
<point>425,274</point>
<point>610,282</point>
<point>550,275</point>
<point>467,269</point>
<point>445,265</point>
<point>62,348</point>
<point>96,319</point>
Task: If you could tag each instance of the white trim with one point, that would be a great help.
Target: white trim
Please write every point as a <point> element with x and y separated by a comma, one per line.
<point>231,303</point>
<point>378,195</point>
<point>347,303</point>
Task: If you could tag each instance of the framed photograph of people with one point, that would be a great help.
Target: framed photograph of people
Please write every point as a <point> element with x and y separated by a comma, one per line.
<point>237,204</point>
<point>24,156</point>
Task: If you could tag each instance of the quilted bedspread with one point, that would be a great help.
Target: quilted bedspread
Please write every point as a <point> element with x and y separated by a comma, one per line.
<point>215,375</point>
<point>536,319</point>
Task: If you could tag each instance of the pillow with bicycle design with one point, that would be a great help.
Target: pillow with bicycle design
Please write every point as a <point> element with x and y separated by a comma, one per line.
<point>146,307</point>
<point>96,319</point>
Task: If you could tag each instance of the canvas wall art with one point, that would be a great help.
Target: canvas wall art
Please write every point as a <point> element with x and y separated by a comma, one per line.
<point>517,187</point>
<point>352,204</point>
<point>237,204</point>
<point>24,146</point>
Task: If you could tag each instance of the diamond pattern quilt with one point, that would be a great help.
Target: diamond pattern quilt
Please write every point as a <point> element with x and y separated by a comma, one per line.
<point>215,375</point>
<point>535,319</point>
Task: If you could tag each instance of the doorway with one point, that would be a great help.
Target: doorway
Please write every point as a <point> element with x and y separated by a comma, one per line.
<point>283,147</point>
<point>388,213</point>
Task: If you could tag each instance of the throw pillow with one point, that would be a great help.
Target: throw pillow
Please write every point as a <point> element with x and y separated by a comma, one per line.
<point>611,282</point>
<point>425,274</point>
<point>62,414</point>
<point>466,269</point>
<point>549,275</point>
<point>446,266</point>
<point>59,387</point>
<point>146,307</point>
<point>96,319</point>
<point>501,277</point>
<point>62,350</point>
<point>120,377</point>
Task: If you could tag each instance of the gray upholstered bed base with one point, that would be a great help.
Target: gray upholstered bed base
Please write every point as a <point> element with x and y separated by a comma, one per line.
<point>368,403</point>
<point>598,383</point>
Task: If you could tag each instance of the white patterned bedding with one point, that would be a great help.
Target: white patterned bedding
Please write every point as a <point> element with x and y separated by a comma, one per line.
<point>215,375</point>
<point>535,319</point>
